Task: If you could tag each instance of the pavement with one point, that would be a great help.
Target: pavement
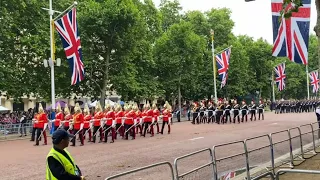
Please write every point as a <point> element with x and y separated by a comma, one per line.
<point>97,161</point>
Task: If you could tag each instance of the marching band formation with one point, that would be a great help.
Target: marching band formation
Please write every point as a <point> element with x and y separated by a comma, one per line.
<point>296,106</point>
<point>111,121</point>
<point>226,111</point>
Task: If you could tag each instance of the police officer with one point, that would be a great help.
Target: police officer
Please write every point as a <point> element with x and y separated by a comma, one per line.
<point>60,164</point>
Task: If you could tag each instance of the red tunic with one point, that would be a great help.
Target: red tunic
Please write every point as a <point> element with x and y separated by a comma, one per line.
<point>130,116</point>
<point>87,119</point>
<point>42,119</point>
<point>118,116</point>
<point>77,120</point>
<point>67,118</point>
<point>110,115</point>
<point>156,114</point>
<point>166,115</point>
<point>97,118</point>
<point>148,114</point>
<point>59,117</point>
<point>35,125</point>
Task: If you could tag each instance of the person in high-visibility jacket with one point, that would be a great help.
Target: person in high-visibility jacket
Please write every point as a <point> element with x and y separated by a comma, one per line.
<point>60,164</point>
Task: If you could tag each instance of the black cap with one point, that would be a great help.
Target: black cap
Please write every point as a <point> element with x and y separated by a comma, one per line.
<point>60,134</point>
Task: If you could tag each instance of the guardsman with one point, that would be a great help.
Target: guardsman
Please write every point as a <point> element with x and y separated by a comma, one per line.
<point>219,112</point>
<point>211,109</point>
<point>156,114</point>
<point>202,110</point>
<point>138,119</point>
<point>228,112</point>
<point>78,119</point>
<point>129,123</point>
<point>67,118</point>
<point>87,123</point>
<point>97,120</point>
<point>253,109</point>
<point>59,117</point>
<point>110,116</point>
<point>195,113</point>
<point>166,116</point>
<point>236,111</point>
<point>244,111</point>
<point>34,126</point>
<point>147,119</point>
<point>261,109</point>
<point>42,119</point>
<point>119,114</point>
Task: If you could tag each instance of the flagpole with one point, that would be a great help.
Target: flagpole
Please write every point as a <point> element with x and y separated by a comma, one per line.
<point>273,94</point>
<point>214,67</point>
<point>307,81</point>
<point>223,50</point>
<point>53,100</point>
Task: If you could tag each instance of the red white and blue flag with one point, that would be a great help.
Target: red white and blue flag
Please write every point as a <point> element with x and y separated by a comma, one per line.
<point>314,76</point>
<point>280,76</point>
<point>223,65</point>
<point>291,35</point>
<point>67,28</point>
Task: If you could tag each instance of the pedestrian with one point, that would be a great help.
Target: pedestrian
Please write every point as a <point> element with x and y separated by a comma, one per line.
<point>60,164</point>
<point>23,128</point>
<point>318,115</point>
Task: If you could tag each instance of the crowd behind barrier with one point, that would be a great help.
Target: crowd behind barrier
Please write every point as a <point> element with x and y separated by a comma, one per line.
<point>298,143</point>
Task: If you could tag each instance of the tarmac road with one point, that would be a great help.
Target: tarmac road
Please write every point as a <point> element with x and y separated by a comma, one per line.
<point>21,160</point>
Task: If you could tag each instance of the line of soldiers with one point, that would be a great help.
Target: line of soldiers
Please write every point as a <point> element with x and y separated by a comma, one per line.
<point>111,121</point>
<point>296,106</point>
<point>222,112</point>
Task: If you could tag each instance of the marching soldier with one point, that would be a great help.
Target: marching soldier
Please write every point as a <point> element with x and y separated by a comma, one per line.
<point>147,116</point>
<point>236,111</point>
<point>166,116</point>
<point>202,115</point>
<point>138,118</point>
<point>98,115</point>
<point>253,109</point>
<point>129,123</point>
<point>59,117</point>
<point>244,110</point>
<point>156,114</point>
<point>195,114</point>
<point>35,126</point>
<point>87,119</point>
<point>227,112</point>
<point>78,119</point>
<point>42,119</point>
<point>219,113</point>
<point>110,116</point>
<point>261,109</point>
<point>211,109</point>
<point>67,118</point>
<point>119,115</point>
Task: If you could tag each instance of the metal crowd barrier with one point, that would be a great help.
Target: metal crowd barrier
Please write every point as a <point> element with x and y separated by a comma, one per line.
<point>213,160</point>
<point>14,129</point>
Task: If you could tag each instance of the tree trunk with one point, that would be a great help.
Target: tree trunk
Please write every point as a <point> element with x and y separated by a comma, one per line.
<point>105,80</point>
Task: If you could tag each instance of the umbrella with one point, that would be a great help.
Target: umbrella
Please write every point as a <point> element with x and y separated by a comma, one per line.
<point>3,109</point>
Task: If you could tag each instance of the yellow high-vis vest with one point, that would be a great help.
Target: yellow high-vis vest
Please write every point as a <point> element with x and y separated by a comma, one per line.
<point>68,166</point>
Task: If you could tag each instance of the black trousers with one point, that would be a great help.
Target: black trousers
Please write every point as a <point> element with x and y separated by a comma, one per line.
<point>236,116</point>
<point>194,118</point>
<point>261,113</point>
<point>33,133</point>
<point>253,114</point>
<point>228,116</point>
<point>80,134</point>
<point>95,129</point>
<point>163,124</point>
<point>218,116</point>
<point>210,117</point>
<point>146,125</point>
<point>244,115</point>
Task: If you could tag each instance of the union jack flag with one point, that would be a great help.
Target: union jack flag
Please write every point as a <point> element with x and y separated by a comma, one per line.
<point>280,76</point>
<point>314,81</point>
<point>67,28</point>
<point>291,35</point>
<point>223,65</point>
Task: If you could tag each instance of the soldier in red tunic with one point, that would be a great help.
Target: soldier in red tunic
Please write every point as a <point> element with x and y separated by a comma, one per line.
<point>35,126</point>
<point>67,118</point>
<point>110,117</point>
<point>166,115</point>
<point>147,119</point>
<point>138,119</point>
<point>156,114</point>
<point>98,116</point>
<point>87,119</point>
<point>59,117</point>
<point>130,115</point>
<point>78,119</point>
<point>118,115</point>
<point>42,119</point>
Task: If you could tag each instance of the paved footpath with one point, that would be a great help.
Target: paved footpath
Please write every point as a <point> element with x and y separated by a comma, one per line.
<point>21,160</point>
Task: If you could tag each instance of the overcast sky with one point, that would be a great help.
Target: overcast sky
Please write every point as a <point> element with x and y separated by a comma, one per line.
<point>251,18</point>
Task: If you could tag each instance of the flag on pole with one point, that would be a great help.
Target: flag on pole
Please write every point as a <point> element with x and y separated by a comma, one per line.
<point>223,65</point>
<point>67,28</point>
<point>291,35</point>
<point>314,77</point>
<point>280,73</point>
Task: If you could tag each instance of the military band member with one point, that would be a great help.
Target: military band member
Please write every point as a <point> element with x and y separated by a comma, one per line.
<point>219,112</point>
<point>78,119</point>
<point>147,118</point>
<point>253,109</point>
<point>42,119</point>
<point>202,110</point>
<point>244,109</point>
<point>261,108</point>
<point>166,116</point>
<point>67,118</point>
<point>59,117</point>
<point>227,112</point>
<point>87,119</point>
<point>119,114</point>
<point>156,114</point>
<point>236,111</point>
<point>98,115</point>
<point>110,116</point>
<point>211,109</point>
<point>196,113</point>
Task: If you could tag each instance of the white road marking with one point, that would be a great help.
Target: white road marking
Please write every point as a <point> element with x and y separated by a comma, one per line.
<point>196,138</point>
<point>274,123</point>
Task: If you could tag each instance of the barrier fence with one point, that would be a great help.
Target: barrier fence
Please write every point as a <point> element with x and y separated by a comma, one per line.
<point>295,143</point>
<point>10,129</point>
